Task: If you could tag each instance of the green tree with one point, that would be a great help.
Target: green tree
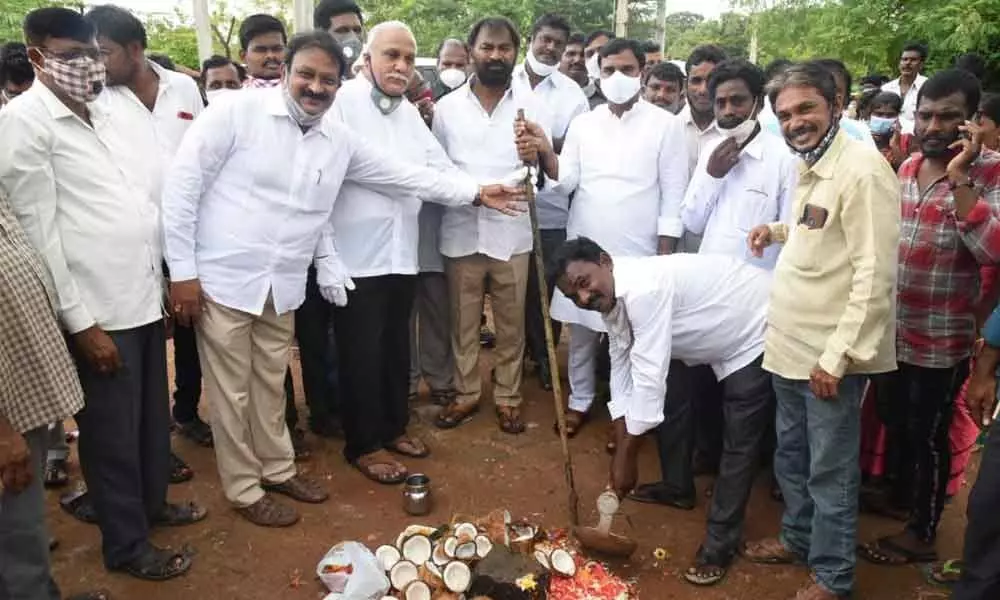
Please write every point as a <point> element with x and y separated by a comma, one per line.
<point>12,15</point>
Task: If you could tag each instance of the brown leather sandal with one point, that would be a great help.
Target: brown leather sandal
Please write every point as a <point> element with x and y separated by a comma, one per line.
<point>268,512</point>
<point>575,420</point>
<point>770,551</point>
<point>455,414</point>
<point>509,418</point>
<point>368,464</point>
<point>300,488</point>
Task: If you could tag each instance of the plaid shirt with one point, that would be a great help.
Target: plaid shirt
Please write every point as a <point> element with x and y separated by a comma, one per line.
<point>38,382</point>
<point>939,263</point>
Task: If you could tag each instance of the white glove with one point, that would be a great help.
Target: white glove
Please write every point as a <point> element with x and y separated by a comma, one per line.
<point>333,280</point>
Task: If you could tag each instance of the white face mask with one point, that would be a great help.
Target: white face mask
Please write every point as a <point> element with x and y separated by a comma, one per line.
<point>538,67</point>
<point>620,88</point>
<point>213,95</point>
<point>593,69</point>
<point>742,132</point>
<point>452,78</point>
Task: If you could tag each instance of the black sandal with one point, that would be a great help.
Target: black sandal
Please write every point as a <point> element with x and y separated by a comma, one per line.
<point>885,552</point>
<point>77,505</point>
<point>180,472</point>
<point>657,493</point>
<point>509,420</point>
<point>56,473</point>
<point>455,414</point>
<point>695,574</point>
<point>178,515</point>
<point>157,564</point>
<point>197,431</point>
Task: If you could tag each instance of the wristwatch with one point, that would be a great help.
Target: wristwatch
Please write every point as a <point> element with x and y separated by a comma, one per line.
<point>967,183</point>
<point>478,199</point>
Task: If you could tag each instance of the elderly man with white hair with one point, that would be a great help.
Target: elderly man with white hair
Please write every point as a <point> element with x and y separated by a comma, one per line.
<point>377,239</point>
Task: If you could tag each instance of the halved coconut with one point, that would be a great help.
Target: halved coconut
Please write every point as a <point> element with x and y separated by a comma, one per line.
<point>433,569</point>
<point>466,551</point>
<point>402,574</point>
<point>457,577</point>
<point>449,546</point>
<point>562,562</point>
<point>418,549</point>
<point>417,590</point>
<point>387,556</point>
<point>466,530</point>
<point>413,530</point>
<point>543,559</point>
<point>439,557</point>
<point>483,546</point>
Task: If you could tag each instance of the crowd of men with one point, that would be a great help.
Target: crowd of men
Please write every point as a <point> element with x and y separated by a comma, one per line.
<point>738,256</point>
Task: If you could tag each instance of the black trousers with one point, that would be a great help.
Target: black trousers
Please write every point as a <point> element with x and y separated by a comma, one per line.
<point>317,356</point>
<point>981,573</point>
<point>373,339</point>
<point>125,441</point>
<point>687,388</point>
<point>917,426</point>
<point>748,403</point>
<point>187,374</point>
<point>534,321</point>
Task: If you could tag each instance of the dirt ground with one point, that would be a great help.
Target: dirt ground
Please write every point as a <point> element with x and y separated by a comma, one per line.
<point>473,470</point>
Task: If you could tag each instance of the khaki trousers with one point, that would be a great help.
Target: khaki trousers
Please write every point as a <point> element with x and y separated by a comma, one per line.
<point>466,286</point>
<point>243,362</point>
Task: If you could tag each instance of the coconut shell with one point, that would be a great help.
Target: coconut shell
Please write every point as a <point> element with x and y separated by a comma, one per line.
<point>466,531</point>
<point>431,575</point>
<point>387,556</point>
<point>402,574</point>
<point>562,563</point>
<point>457,577</point>
<point>417,590</point>
<point>417,549</point>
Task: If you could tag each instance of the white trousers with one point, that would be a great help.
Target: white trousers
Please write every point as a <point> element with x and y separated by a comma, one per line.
<point>584,344</point>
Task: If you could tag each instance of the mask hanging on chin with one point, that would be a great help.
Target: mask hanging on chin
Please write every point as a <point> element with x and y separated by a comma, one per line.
<point>742,132</point>
<point>296,112</point>
<point>538,67</point>
<point>385,103</point>
<point>620,88</point>
<point>452,78</point>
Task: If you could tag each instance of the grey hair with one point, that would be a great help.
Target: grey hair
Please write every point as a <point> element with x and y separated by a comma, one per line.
<point>384,27</point>
<point>806,74</point>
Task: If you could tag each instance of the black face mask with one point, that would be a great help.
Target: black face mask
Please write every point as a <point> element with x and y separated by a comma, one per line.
<point>494,72</point>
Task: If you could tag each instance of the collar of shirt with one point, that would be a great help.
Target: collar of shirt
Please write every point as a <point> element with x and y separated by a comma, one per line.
<point>688,120</point>
<point>825,167</point>
<point>274,103</point>
<point>508,94</point>
<point>52,103</point>
<point>256,83</point>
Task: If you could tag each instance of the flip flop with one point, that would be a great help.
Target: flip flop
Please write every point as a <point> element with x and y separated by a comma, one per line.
<point>655,493</point>
<point>179,515</point>
<point>945,574</point>
<point>180,472</point>
<point>56,473</point>
<point>77,505</point>
<point>418,449</point>
<point>693,576</point>
<point>455,414</point>
<point>366,463</point>
<point>157,564</point>
<point>886,552</point>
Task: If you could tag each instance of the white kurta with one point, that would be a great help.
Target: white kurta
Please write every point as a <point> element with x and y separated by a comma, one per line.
<point>629,175</point>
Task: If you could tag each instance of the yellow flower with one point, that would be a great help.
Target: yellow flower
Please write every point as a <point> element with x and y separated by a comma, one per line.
<point>661,554</point>
<point>527,583</point>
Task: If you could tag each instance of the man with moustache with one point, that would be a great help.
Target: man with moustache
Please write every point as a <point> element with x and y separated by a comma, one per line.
<point>344,21</point>
<point>663,85</point>
<point>220,75</point>
<point>831,323</point>
<point>238,277</point>
<point>573,64</point>
<point>950,228</point>
<point>377,241</point>
<point>654,55</point>
<point>564,100</point>
<point>96,223</point>
<point>262,48</point>
<point>909,82</point>
<point>474,125</point>
<point>452,67</point>
<point>631,205</point>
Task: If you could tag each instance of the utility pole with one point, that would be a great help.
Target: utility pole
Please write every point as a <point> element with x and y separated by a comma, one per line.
<point>302,15</point>
<point>621,18</point>
<point>203,29</point>
<point>661,24</point>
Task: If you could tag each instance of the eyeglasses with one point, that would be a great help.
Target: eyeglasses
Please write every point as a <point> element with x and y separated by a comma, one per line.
<point>68,55</point>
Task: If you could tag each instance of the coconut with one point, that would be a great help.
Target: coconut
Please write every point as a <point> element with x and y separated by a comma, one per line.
<point>483,546</point>
<point>387,556</point>
<point>418,549</point>
<point>457,577</point>
<point>411,531</point>
<point>439,556</point>
<point>402,574</point>
<point>466,531</point>
<point>432,569</point>
<point>466,551</point>
<point>543,559</point>
<point>449,546</point>
<point>417,590</point>
<point>562,562</point>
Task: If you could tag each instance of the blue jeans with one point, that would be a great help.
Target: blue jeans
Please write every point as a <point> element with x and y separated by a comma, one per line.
<point>816,464</point>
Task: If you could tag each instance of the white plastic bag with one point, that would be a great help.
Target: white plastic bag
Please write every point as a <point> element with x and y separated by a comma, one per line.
<point>366,581</point>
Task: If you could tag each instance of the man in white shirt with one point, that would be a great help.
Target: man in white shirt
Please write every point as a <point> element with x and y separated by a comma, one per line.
<point>564,100</point>
<point>219,76</point>
<point>452,67</point>
<point>628,201</point>
<point>376,238</point>
<point>699,309</point>
<point>344,21</point>
<point>241,229</point>
<point>748,176</point>
<point>474,124</point>
<point>909,82</point>
<point>698,114</point>
<point>96,222</point>
<point>262,47</point>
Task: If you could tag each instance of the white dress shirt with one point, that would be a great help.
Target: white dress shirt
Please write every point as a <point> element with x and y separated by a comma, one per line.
<point>698,308</point>
<point>377,233</point>
<point>96,223</point>
<point>697,138</point>
<point>759,189</point>
<point>629,174</point>
<point>565,101</point>
<point>482,145</point>
<point>178,103</point>
<point>248,200</point>
<point>908,115</point>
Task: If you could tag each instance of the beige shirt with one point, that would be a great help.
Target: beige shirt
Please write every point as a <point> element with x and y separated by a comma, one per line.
<point>832,301</point>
